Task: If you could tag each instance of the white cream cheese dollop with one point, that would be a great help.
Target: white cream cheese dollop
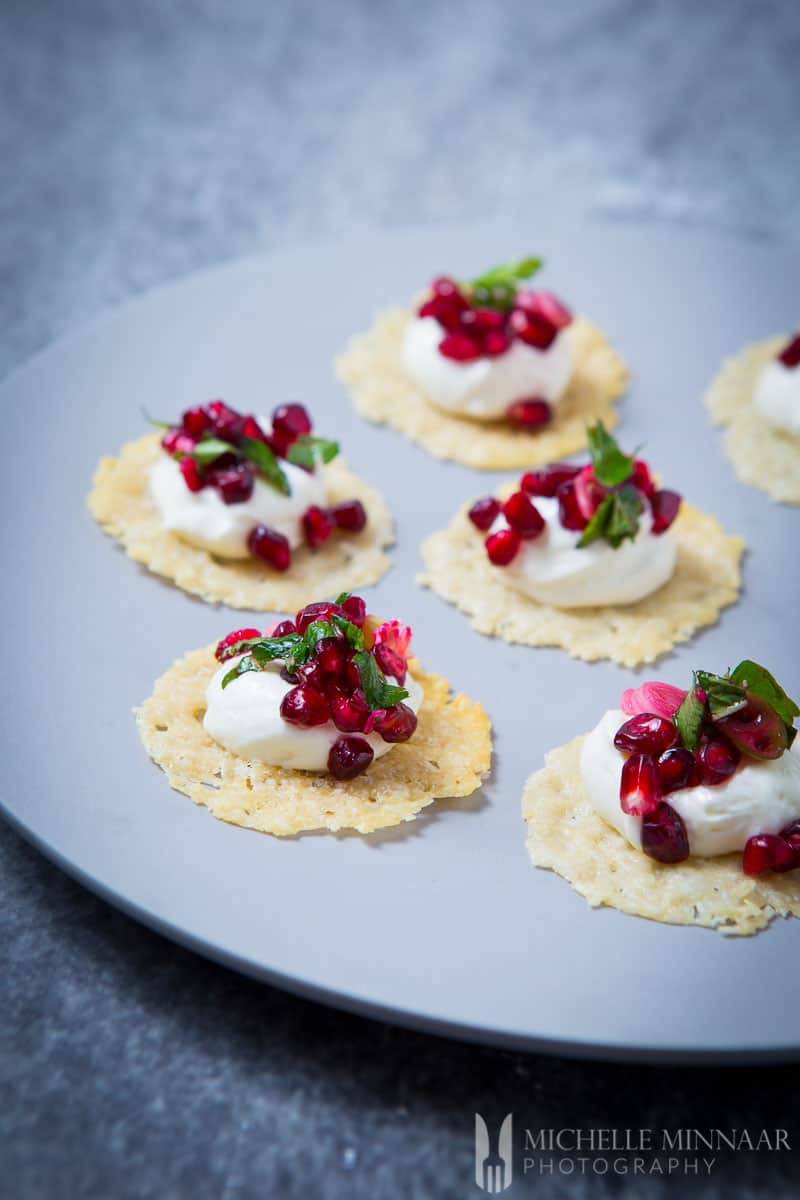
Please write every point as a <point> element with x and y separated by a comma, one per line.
<point>761,797</point>
<point>777,396</point>
<point>245,718</point>
<point>205,520</point>
<point>552,570</point>
<point>484,389</point>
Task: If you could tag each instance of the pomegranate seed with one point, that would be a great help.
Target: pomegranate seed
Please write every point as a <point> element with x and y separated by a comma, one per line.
<point>447,310</point>
<point>766,852</point>
<point>191,475</point>
<point>790,354</point>
<point>446,288</point>
<point>483,513</point>
<point>391,663</point>
<point>664,835</point>
<point>639,789</point>
<point>175,441</point>
<point>717,761</point>
<point>589,494</point>
<point>317,526</point>
<point>489,319</point>
<point>234,485</point>
<point>529,414</point>
<point>226,423</point>
<point>195,421</point>
<point>791,835</point>
<point>495,343</point>
<point>290,421</point>
<point>523,516</point>
<point>459,347</point>
<point>352,676</point>
<point>396,724</point>
<point>545,306</point>
<point>569,511</point>
<point>349,756</point>
<point>283,629</point>
<point>312,673</point>
<point>532,329</point>
<point>675,769</point>
<point>252,429</point>
<point>270,546</point>
<point>502,547</point>
<point>304,705</point>
<point>665,505</point>
<point>646,734</point>
<point>350,516</point>
<point>349,712</point>
<point>756,729</point>
<point>547,481</point>
<point>330,654</point>
<point>642,479</point>
<point>355,610</point>
<point>320,611</point>
<point>224,647</point>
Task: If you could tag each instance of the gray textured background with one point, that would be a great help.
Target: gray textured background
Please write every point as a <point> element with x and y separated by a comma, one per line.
<point>141,140</point>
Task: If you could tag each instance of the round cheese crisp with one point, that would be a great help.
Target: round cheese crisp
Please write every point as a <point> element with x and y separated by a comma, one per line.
<point>372,369</point>
<point>706,579</point>
<point>566,835</point>
<point>448,756</point>
<point>762,456</point>
<point>120,500</point>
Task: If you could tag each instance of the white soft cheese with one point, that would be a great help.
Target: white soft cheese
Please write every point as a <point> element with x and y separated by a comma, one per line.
<point>761,797</point>
<point>245,718</point>
<point>778,396</point>
<point>205,520</point>
<point>552,570</point>
<point>484,389</point>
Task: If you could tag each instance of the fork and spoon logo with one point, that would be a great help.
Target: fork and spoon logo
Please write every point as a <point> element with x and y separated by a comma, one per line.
<point>494,1164</point>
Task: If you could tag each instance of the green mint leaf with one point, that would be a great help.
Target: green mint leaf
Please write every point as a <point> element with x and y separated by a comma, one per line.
<point>497,287</point>
<point>309,451</point>
<point>689,719</point>
<point>596,528</point>
<point>758,679</point>
<point>353,634</point>
<point>611,466</point>
<point>241,668</point>
<point>152,421</point>
<point>378,693</point>
<point>724,696</point>
<point>210,448</point>
<point>616,519</point>
<point>263,458</point>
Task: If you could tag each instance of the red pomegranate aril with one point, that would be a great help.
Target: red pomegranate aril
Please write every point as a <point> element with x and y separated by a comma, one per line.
<point>484,512</point>
<point>503,546</point>
<point>252,429</point>
<point>321,610</point>
<point>312,673</point>
<point>791,835</point>
<point>317,526</point>
<point>495,343</point>
<point>639,788</point>
<point>349,756</point>
<point>664,835</point>
<point>529,414</point>
<point>569,511</point>
<point>390,662</point>
<point>589,494</point>
<point>756,729</point>
<point>283,629</point>
<point>675,768</point>
<point>349,713</point>
<point>544,306</point>
<point>304,705</point>
<point>175,441</point>
<point>532,329</point>
<point>195,421</point>
<point>226,424</point>
<point>397,724</point>
<point>446,288</point>
<point>355,610</point>
<point>646,734</point>
<point>766,852</point>
<point>459,347</point>
<point>790,354</point>
<point>665,506</point>
<point>330,654</point>
<point>717,761</point>
<point>350,516</point>
<point>352,676</point>
<point>290,421</point>
<point>191,475</point>
<point>642,479</point>
<point>225,647</point>
<point>489,319</point>
<point>234,485</point>
<point>270,546</point>
<point>548,480</point>
<point>523,516</point>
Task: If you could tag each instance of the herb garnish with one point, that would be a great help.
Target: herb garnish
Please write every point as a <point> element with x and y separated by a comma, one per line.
<point>310,451</point>
<point>497,287</point>
<point>617,516</point>
<point>715,697</point>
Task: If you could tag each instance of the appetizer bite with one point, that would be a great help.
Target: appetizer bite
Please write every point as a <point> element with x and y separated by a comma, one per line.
<point>241,510</point>
<point>599,559</point>
<point>488,372</point>
<point>757,396</point>
<point>322,722</point>
<point>681,806</point>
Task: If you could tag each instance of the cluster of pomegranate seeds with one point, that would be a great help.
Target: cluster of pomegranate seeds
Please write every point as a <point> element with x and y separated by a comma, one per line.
<point>790,354</point>
<point>320,523</point>
<point>773,851</point>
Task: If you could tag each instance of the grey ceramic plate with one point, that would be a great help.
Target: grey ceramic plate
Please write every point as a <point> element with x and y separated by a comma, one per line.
<point>443,923</point>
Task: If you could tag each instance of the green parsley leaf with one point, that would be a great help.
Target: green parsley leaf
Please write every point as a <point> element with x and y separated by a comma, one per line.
<point>378,693</point>
<point>616,519</point>
<point>353,634</point>
<point>265,461</point>
<point>309,451</point>
<point>240,668</point>
<point>611,466</point>
<point>689,719</point>
<point>755,678</point>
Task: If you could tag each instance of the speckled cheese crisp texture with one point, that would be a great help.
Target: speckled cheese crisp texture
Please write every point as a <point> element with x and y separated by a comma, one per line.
<point>762,456</point>
<point>566,835</point>
<point>120,500</point>
<point>706,578</point>
<point>448,756</point>
<point>371,367</point>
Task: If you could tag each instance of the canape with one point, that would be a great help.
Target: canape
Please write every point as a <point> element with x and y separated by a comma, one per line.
<point>325,721</point>
<point>489,372</point>
<point>244,511</point>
